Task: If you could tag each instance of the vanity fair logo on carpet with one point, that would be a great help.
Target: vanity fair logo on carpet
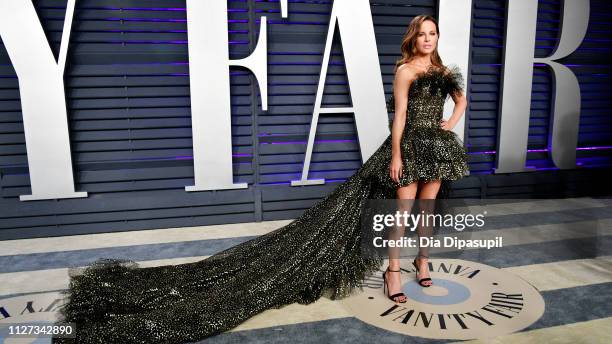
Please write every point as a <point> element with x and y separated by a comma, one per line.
<point>468,300</point>
<point>39,309</point>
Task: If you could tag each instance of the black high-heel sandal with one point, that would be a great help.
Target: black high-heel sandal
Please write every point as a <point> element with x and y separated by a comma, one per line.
<point>391,297</point>
<point>417,273</point>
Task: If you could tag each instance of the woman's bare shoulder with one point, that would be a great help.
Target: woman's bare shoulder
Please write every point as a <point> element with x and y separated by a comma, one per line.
<point>407,67</point>
<point>405,72</point>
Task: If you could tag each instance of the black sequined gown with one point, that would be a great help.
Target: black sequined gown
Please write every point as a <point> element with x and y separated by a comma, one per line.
<point>116,301</point>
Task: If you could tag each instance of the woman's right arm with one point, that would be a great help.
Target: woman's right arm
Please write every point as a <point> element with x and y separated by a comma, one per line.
<point>401,84</point>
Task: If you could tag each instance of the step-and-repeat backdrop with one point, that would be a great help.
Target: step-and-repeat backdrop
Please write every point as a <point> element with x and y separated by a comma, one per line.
<point>136,114</point>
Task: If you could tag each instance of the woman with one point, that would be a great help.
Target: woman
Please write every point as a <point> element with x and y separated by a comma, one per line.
<point>319,253</point>
<point>436,155</point>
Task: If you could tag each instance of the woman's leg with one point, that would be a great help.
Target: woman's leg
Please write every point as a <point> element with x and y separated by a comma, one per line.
<point>427,191</point>
<point>406,192</point>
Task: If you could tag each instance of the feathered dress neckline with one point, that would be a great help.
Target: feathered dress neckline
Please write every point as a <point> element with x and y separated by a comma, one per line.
<point>448,77</point>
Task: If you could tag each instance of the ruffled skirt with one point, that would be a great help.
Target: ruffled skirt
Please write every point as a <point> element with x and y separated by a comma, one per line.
<point>427,154</point>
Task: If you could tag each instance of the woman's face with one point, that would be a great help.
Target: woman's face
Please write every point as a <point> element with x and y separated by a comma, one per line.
<point>427,38</point>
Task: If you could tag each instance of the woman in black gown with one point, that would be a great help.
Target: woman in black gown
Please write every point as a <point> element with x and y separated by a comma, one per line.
<point>319,253</point>
<point>425,154</point>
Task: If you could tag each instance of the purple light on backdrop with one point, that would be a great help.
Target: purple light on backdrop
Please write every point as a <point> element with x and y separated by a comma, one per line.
<point>474,153</point>
<point>303,142</point>
<point>177,9</point>
<point>151,9</point>
<point>292,22</point>
<point>546,150</point>
<point>160,31</point>
<point>594,148</point>
<point>163,42</point>
<point>187,74</point>
<point>190,157</point>
<point>326,181</point>
<point>165,20</point>
<point>311,171</point>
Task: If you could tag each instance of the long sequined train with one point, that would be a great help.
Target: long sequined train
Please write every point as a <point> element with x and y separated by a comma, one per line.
<point>317,254</point>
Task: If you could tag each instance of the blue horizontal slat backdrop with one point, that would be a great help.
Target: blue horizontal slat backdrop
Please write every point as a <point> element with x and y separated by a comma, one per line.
<point>127,90</point>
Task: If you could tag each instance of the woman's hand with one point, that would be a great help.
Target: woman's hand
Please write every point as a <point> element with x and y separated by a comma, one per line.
<point>446,125</point>
<point>395,168</point>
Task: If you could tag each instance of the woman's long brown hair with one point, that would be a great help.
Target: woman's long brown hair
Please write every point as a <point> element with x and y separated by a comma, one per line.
<point>409,49</point>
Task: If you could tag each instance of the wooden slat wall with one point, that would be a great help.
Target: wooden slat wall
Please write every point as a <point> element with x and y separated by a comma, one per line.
<point>127,88</point>
<point>590,62</point>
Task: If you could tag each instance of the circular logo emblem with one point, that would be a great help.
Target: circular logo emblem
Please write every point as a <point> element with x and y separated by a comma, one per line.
<point>35,309</point>
<point>467,300</point>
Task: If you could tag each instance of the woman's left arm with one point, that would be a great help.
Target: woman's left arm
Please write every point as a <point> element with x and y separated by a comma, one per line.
<point>458,110</point>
